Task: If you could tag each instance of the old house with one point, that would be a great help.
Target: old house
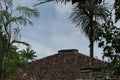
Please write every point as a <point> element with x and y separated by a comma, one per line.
<point>65,65</point>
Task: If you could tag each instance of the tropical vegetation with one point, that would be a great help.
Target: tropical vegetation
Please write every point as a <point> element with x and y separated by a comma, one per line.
<point>89,17</point>
<point>108,39</point>
<point>11,18</point>
<point>96,20</point>
<point>93,17</point>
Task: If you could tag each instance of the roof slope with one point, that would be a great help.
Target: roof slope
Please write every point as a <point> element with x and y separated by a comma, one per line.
<point>66,65</point>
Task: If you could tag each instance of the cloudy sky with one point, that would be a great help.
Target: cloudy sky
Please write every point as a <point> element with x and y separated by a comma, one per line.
<point>53,31</point>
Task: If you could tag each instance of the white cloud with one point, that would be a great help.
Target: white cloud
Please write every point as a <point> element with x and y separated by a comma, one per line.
<point>63,8</point>
<point>47,36</point>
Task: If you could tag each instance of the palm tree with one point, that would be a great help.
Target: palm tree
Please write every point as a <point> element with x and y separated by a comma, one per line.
<point>87,13</point>
<point>88,17</point>
<point>28,54</point>
<point>10,21</point>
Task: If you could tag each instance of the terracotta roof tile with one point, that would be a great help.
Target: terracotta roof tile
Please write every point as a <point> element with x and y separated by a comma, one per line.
<point>66,65</point>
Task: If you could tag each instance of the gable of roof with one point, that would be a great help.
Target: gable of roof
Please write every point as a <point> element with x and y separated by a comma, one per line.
<point>66,64</point>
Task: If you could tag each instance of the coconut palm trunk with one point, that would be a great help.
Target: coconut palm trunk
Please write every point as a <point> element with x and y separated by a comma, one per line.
<point>90,36</point>
<point>91,46</point>
<point>89,17</point>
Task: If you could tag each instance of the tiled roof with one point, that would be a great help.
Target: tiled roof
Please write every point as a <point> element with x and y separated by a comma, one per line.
<point>65,65</point>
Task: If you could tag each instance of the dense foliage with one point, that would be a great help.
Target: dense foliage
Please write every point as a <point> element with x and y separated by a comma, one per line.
<point>117,10</point>
<point>108,38</point>
<point>9,35</point>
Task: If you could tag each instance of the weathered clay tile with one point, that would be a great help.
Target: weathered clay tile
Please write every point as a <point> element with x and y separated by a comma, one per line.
<point>66,65</point>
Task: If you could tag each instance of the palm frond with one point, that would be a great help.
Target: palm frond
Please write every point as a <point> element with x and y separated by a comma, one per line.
<point>28,54</point>
<point>43,1</point>
<point>57,1</point>
<point>79,15</point>
<point>22,20</point>
<point>20,42</point>
<point>19,20</point>
<point>82,13</point>
<point>102,12</point>
<point>28,12</point>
